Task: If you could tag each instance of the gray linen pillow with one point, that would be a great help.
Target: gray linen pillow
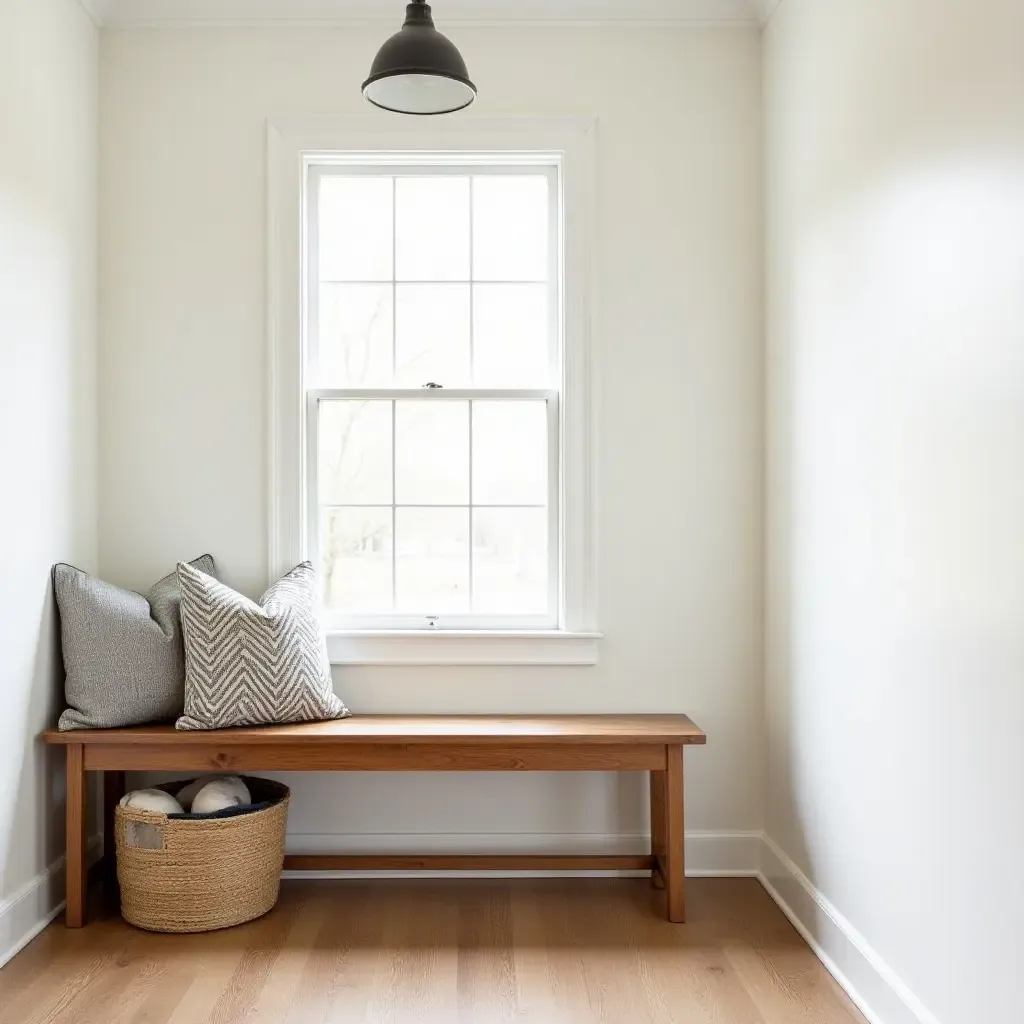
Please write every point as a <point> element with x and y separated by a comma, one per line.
<point>123,654</point>
<point>254,664</point>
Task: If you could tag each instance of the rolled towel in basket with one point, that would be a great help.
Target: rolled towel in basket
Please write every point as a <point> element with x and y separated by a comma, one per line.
<point>221,794</point>
<point>152,800</point>
<point>187,795</point>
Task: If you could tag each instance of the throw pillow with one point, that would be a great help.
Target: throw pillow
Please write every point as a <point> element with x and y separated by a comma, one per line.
<point>123,655</point>
<point>254,664</point>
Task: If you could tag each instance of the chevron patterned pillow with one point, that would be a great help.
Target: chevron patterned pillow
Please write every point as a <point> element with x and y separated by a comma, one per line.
<point>254,664</point>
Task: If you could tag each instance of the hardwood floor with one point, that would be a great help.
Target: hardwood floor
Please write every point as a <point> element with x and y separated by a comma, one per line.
<point>560,951</point>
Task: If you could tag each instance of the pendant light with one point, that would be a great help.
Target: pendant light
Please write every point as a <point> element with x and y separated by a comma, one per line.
<point>418,70</point>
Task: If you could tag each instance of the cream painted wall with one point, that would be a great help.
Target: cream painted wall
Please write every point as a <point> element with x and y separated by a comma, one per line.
<point>896,493</point>
<point>183,384</point>
<point>48,91</point>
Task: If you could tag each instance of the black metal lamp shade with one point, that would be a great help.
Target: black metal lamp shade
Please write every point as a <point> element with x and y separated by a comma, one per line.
<point>418,70</point>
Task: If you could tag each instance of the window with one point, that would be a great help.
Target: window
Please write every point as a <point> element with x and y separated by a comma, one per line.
<point>443,452</point>
<point>433,345</point>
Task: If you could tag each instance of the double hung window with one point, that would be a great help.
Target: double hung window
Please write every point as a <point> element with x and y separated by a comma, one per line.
<point>433,370</point>
<point>430,385</point>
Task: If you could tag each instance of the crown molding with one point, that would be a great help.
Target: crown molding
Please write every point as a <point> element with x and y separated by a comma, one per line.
<point>353,13</point>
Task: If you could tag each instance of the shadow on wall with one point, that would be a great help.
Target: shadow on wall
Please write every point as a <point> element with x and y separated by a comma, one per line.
<point>35,787</point>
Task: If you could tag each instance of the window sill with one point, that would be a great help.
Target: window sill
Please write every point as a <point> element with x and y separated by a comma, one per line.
<point>419,647</point>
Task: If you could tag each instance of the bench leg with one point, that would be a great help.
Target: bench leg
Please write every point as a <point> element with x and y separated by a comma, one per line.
<point>76,809</point>
<point>658,826</point>
<point>674,838</point>
<point>113,790</point>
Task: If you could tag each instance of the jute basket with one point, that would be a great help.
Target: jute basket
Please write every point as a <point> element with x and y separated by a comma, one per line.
<point>180,875</point>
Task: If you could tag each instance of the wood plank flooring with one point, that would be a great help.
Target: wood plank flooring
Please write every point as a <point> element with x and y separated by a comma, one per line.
<point>530,951</point>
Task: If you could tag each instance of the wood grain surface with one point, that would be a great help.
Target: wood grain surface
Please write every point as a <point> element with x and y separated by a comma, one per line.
<point>474,730</point>
<point>531,951</point>
<point>440,756</point>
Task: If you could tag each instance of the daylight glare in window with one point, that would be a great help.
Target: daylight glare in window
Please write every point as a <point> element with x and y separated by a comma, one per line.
<point>433,372</point>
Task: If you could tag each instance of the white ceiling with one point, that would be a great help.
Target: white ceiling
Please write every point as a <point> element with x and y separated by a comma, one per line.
<point>156,13</point>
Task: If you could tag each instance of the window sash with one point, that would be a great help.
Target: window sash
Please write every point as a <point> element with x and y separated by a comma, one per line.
<point>453,165</point>
<point>460,165</point>
<point>335,620</point>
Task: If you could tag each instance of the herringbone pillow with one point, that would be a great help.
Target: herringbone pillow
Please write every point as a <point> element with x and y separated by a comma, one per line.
<point>254,664</point>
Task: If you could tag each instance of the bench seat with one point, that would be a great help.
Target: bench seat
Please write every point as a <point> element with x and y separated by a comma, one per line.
<point>652,743</point>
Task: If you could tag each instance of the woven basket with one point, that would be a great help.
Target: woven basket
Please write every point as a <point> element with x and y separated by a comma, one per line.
<point>180,875</point>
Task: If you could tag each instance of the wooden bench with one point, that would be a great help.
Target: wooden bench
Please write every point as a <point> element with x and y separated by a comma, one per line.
<point>578,743</point>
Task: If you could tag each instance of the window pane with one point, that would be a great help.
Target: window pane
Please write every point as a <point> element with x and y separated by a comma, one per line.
<point>432,229</point>
<point>510,453</point>
<point>355,453</point>
<point>510,228</point>
<point>355,552</point>
<point>511,335</point>
<point>355,339</point>
<point>432,560</point>
<point>510,561</point>
<point>432,334</point>
<point>355,229</point>
<point>432,452</point>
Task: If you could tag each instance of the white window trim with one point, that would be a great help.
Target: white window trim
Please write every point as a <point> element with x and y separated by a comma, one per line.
<point>293,145</point>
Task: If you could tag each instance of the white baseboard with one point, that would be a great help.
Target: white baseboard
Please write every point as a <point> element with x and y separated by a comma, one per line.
<point>25,913</point>
<point>879,993</point>
<point>709,854</point>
